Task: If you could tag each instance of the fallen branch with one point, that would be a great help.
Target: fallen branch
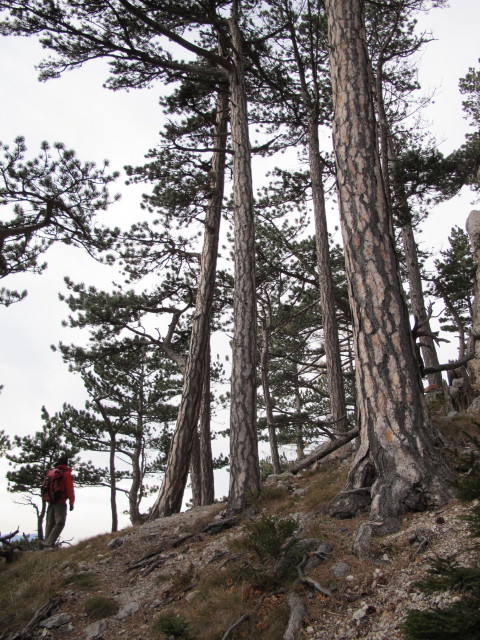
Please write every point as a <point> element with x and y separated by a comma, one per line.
<point>42,613</point>
<point>6,539</point>
<point>298,611</point>
<point>236,624</point>
<point>324,450</point>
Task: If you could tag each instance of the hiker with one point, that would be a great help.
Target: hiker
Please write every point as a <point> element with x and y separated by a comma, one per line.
<point>57,490</point>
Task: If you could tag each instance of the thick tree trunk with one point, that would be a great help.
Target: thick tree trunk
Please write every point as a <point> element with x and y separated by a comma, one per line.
<point>272,436</point>
<point>327,293</point>
<point>244,464</point>
<point>171,492</point>
<point>398,457</point>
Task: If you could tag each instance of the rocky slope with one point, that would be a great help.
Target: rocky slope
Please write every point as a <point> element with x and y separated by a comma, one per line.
<point>186,566</point>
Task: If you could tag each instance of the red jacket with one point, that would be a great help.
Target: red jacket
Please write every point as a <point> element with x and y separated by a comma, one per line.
<point>68,483</point>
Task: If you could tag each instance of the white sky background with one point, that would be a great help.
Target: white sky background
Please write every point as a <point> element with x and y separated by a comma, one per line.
<point>122,126</point>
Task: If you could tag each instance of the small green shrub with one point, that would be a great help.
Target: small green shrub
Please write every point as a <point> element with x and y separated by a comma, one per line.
<point>275,549</point>
<point>269,536</point>
<point>80,581</point>
<point>446,574</point>
<point>172,626</point>
<point>98,607</point>
<point>459,621</point>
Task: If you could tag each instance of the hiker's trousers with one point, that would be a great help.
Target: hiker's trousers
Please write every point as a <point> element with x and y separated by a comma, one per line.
<point>56,518</point>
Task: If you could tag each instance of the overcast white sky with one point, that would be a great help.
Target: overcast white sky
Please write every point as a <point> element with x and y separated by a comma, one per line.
<point>121,126</point>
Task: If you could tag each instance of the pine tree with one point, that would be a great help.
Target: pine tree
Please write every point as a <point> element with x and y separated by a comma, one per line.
<point>54,197</point>
<point>397,461</point>
<point>35,454</point>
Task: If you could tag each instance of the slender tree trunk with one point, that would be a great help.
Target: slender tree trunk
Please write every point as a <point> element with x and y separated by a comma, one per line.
<point>327,293</point>
<point>137,476</point>
<point>272,436</point>
<point>311,98</point>
<point>207,485</point>
<point>417,301</point>
<point>113,483</point>
<point>244,463</point>
<point>388,159</point>
<point>398,459</point>
<point>195,470</point>
<point>473,230</point>
<point>171,492</point>
<point>300,441</point>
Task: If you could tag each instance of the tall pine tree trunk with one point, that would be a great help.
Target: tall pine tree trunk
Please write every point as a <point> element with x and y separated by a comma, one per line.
<point>244,463</point>
<point>264,374</point>
<point>398,466</point>
<point>207,486</point>
<point>171,492</point>
<point>417,302</point>
<point>113,482</point>
<point>311,98</point>
<point>327,293</point>
<point>201,463</point>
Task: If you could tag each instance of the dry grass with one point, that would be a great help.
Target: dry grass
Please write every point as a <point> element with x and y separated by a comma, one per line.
<point>325,485</point>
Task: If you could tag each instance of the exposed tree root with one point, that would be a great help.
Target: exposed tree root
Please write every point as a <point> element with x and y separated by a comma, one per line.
<point>298,611</point>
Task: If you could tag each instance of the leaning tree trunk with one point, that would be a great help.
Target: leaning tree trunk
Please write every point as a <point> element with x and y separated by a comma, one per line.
<point>171,492</point>
<point>244,463</point>
<point>398,465</point>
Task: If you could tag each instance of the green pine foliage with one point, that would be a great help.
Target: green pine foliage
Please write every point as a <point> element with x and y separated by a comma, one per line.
<point>273,550</point>
<point>459,621</point>
<point>171,626</point>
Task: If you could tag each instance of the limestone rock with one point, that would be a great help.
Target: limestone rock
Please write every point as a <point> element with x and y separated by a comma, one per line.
<point>96,629</point>
<point>55,621</point>
<point>128,610</point>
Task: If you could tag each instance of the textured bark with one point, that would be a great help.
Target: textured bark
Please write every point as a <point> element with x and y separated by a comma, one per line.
<point>310,93</point>
<point>398,455</point>
<point>171,492</point>
<point>473,230</point>
<point>207,487</point>
<point>388,158</point>
<point>136,486</point>
<point>113,483</point>
<point>201,464</point>
<point>195,470</point>
<point>327,293</point>
<point>298,611</point>
<point>244,464</point>
<point>417,302</point>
